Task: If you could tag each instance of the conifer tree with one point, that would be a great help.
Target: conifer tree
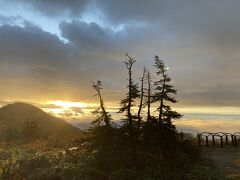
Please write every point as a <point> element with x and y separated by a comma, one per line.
<point>102,114</point>
<point>142,94</point>
<point>163,94</point>
<point>133,93</point>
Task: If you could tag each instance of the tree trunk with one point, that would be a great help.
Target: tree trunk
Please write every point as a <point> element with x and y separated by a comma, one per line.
<point>130,100</point>
<point>141,100</point>
<point>161,102</point>
<point>149,98</point>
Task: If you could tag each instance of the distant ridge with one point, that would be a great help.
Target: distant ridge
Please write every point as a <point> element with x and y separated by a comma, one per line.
<point>21,121</point>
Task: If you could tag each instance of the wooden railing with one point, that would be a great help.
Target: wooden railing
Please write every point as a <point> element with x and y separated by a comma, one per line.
<point>218,138</point>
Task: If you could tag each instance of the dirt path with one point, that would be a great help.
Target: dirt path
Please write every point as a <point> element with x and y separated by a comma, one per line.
<point>226,159</point>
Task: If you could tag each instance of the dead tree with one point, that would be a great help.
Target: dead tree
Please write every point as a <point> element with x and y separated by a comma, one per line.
<point>102,114</point>
<point>133,93</point>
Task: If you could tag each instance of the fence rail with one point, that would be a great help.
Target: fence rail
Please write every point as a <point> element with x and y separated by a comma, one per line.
<point>218,138</point>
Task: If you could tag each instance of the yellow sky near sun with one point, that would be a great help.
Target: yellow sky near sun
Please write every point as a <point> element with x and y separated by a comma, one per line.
<point>68,104</point>
<point>211,110</point>
<point>85,106</point>
<point>199,123</point>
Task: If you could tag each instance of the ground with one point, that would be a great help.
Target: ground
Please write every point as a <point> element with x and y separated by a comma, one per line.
<point>226,159</point>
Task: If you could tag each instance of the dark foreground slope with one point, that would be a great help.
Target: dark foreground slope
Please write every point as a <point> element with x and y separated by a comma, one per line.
<point>226,159</point>
<point>21,122</point>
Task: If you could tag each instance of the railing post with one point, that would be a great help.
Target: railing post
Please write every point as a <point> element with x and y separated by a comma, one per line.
<point>226,139</point>
<point>213,140</point>
<point>207,141</point>
<point>232,137</point>
<point>221,141</point>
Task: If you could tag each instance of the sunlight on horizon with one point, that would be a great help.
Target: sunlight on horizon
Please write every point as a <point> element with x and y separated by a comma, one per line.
<point>68,104</point>
<point>195,119</point>
<point>69,110</point>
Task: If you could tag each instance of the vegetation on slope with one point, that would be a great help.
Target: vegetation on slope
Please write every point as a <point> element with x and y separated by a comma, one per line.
<point>24,123</point>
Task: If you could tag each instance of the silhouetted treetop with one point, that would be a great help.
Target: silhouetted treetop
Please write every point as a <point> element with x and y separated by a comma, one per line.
<point>163,94</point>
<point>100,112</point>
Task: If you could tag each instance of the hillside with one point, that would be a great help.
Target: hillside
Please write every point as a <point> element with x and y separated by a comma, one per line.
<point>25,122</point>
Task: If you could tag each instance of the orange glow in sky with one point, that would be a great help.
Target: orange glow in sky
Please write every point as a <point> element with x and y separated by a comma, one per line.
<point>68,104</point>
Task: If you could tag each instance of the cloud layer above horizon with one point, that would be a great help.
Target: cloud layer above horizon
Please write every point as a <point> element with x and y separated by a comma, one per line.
<point>52,50</point>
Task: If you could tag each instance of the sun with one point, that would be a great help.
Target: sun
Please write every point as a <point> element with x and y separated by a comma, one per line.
<point>68,104</point>
<point>69,109</point>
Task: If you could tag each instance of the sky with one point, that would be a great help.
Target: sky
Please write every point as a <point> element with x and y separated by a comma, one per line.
<point>51,51</point>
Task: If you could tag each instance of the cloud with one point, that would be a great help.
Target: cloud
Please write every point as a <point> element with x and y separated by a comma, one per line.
<point>87,36</point>
<point>10,19</point>
<point>77,110</point>
<point>36,64</point>
<point>198,39</point>
<point>30,45</point>
<point>32,61</point>
<point>48,106</point>
<point>52,7</point>
<point>198,126</point>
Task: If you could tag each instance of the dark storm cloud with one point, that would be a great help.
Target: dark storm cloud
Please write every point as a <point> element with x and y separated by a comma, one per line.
<point>101,50</point>
<point>87,35</point>
<point>136,10</point>
<point>30,50</point>
<point>96,39</point>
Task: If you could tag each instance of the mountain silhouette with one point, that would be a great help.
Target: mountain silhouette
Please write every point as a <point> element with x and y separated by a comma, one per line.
<point>21,121</point>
